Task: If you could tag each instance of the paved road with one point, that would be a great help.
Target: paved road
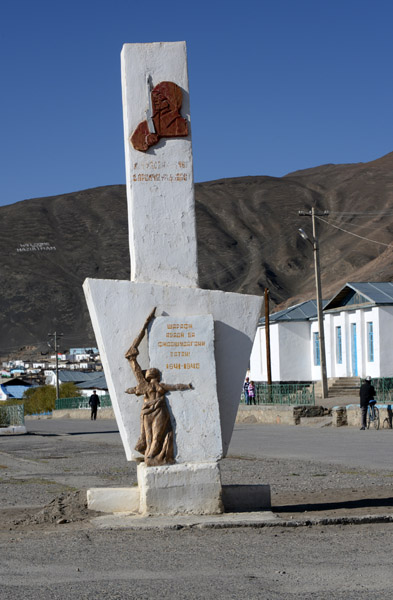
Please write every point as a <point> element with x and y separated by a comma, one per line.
<point>83,429</point>
<point>340,445</point>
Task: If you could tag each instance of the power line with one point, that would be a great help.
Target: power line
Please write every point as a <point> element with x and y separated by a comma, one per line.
<point>363,213</point>
<point>362,237</point>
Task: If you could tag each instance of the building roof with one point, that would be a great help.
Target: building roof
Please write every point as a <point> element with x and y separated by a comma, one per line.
<point>66,376</point>
<point>299,312</point>
<point>15,391</point>
<point>362,293</point>
<point>15,381</point>
<point>98,383</point>
<point>350,295</point>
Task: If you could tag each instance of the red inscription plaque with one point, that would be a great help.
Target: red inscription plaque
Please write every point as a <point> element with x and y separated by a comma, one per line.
<point>165,120</point>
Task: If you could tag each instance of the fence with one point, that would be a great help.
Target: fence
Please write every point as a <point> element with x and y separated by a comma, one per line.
<point>80,402</point>
<point>384,389</point>
<point>12,415</point>
<point>284,393</point>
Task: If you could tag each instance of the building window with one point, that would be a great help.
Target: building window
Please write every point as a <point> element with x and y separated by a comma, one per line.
<point>317,354</point>
<point>370,342</point>
<point>339,349</point>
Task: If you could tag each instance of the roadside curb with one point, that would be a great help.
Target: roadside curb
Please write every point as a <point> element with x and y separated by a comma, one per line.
<point>226,521</point>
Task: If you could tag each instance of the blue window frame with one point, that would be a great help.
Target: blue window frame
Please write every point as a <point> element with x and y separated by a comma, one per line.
<point>339,348</point>
<point>317,354</point>
<point>370,342</point>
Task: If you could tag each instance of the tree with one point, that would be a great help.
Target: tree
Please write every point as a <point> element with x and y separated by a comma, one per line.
<point>43,398</point>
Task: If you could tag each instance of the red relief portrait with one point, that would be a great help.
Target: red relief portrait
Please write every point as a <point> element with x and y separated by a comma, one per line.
<point>163,118</point>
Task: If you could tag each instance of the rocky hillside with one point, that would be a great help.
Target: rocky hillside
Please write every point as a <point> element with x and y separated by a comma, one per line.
<point>247,240</point>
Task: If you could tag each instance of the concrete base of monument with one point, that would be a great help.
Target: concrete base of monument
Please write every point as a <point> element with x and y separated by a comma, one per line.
<point>114,500</point>
<point>182,489</point>
<point>186,488</point>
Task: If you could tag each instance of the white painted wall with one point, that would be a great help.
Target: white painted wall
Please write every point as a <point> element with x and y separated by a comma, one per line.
<point>294,339</point>
<point>332,322</point>
<point>258,357</point>
<point>292,350</point>
<point>383,340</point>
<point>289,352</point>
<point>258,366</point>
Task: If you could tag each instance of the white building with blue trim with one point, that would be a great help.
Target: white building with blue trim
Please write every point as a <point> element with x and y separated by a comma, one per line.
<point>358,327</point>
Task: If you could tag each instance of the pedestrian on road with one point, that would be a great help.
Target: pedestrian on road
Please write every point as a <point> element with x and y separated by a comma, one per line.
<point>94,403</point>
<point>366,393</point>
<point>245,390</point>
<point>251,392</point>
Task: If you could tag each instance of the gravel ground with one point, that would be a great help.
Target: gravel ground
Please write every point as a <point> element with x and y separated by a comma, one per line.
<point>50,549</point>
<point>44,470</point>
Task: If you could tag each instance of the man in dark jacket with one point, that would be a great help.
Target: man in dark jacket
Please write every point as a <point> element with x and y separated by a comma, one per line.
<point>94,403</point>
<point>366,393</point>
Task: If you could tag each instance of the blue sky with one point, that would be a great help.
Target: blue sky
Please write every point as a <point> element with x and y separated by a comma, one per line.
<point>275,86</point>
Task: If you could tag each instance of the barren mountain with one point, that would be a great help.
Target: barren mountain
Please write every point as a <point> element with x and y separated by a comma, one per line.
<point>247,240</point>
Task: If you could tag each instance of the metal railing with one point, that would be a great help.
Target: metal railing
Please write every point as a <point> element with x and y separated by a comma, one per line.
<point>383,389</point>
<point>284,393</point>
<point>12,415</point>
<point>81,402</point>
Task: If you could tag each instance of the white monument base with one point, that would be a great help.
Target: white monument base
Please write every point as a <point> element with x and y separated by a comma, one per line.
<point>113,500</point>
<point>187,488</point>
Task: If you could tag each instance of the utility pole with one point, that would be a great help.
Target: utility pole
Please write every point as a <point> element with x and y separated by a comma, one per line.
<point>315,245</point>
<point>55,337</point>
<point>267,336</point>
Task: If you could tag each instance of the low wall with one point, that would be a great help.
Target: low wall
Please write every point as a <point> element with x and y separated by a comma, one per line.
<point>269,415</point>
<point>82,413</point>
<point>13,430</point>
<point>351,415</point>
<point>277,414</point>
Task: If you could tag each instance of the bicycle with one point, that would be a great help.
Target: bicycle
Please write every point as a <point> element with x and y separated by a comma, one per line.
<point>372,416</point>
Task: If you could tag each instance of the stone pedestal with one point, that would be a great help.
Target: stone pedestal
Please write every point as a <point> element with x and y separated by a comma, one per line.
<point>114,500</point>
<point>187,488</point>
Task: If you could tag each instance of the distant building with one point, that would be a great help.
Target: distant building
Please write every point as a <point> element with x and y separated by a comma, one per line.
<point>85,381</point>
<point>82,354</point>
<point>13,388</point>
<point>98,383</point>
<point>358,327</point>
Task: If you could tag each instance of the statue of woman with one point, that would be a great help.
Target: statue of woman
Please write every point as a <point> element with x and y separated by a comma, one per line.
<point>156,439</point>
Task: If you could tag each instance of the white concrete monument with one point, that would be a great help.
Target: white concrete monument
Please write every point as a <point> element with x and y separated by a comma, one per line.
<point>199,340</point>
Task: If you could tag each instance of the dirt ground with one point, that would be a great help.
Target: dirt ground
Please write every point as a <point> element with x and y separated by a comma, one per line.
<point>44,477</point>
<point>51,547</point>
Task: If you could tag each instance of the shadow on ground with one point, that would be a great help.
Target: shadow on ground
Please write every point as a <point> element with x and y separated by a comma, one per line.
<point>370,503</point>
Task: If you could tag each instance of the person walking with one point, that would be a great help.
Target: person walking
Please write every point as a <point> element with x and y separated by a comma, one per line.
<point>366,393</point>
<point>94,404</point>
<point>245,390</point>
